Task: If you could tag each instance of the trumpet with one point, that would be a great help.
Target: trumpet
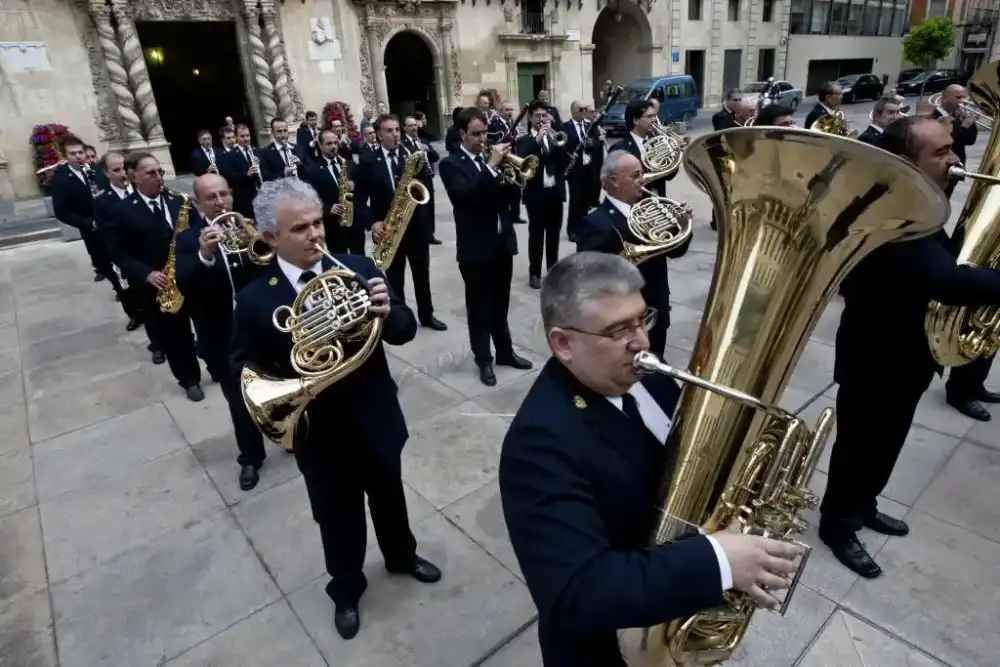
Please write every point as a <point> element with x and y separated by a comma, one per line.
<point>966,110</point>
<point>558,139</point>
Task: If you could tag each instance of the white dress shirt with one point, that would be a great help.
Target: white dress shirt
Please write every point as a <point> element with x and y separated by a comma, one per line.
<point>658,423</point>
<point>78,173</point>
<point>623,208</point>
<point>548,180</point>
<point>581,131</point>
<point>386,153</point>
<point>492,171</point>
<point>161,203</point>
<point>639,141</point>
<point>122,194</point>
<point>294,273</point>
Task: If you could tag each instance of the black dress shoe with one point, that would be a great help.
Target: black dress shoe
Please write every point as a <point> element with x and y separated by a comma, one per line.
<point>249,476</point>
<point>194,393</point>
<point>534,282</point>
<point>98,277</point>
<point>987,396</point>
<point>885,524</point>
<point>347,620</point>
<point>159,357</point>
<point>434,324</point>
<point>971,408</point>
<point>435,241</point>
<point>854,556</point>
<point>422,570</point>
<point>571,238</point>
<point>514,361</point>
<point>134,324</point>
<point>487,376</point>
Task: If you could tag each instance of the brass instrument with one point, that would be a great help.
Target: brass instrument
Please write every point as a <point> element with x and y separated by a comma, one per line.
<point>660,225</point>
<point>331,312</point>
<point>958,335</point>
<point>661,155</point>
<point>790,228</point>
<point>410,193</point>
<point>519,170</point>
<point>982,119</point>
<point>834,123</point>
<point>749,122</point>
<point>170,298</point>
<point>238,236</point>
<point>558,139</point>
<point>346,195</point>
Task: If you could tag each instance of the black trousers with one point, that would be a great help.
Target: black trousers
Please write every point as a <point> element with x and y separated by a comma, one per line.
<point>430,208</point>
<point>417,252</point>
<point>339,469</point>
<point>968,382</point>
<point>213,347</point>
<point>344,240</point>
<point>487,301</point>
<point>872,425</point>
<point>544,224</point>
<point>97,248</point>
<point>512,202</point>
<point>580,196</point>
<point>171,334</point>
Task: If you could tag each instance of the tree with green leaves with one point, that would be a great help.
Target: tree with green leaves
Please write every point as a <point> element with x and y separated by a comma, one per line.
<point>929,41</point>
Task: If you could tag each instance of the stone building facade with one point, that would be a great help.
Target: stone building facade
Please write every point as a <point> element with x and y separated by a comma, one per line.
<point>82,62</point>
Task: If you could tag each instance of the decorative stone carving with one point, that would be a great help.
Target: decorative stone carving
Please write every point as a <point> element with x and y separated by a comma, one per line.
<point>276,47</point>
<point>258,57</point>
<point>183,10</point>
<point>125,107</point>
<point>138,75</point>
<point>367,88</point>
<point>104,112</point>
<point>456,73</point>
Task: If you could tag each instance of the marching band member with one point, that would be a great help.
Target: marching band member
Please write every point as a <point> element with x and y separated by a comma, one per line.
<point>640,116</point>
<point>375,181</point>
<point>413,144</point>
<point>140,234</point>
<point>209,281</point>
<point>353,445</point>
<point>105,205</point>
<point>775,115</point>
<point>581,178</point>
<point>307,138</point>
<point>580,470</point>
<point>543,97</point>
<point>499,128</point>
<point>884,113</point>
<point>278,160</point>
<point>345,148</point>
<point>204,159</point>
<point>452,139</point>
<point>545,193</point>
<point>369,142</point>
<point>964,130</point>
<point>725,118</point>
<point>606,226</point>
<point>241,168</point>
<point>485,240</point>
<point>227,137</point>
<point>326,177</point>
<point>828,102</point>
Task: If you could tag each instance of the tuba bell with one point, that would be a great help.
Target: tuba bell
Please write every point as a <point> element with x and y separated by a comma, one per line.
<point>796,211</point>
<point>958,335</point>
<point>328,318</point>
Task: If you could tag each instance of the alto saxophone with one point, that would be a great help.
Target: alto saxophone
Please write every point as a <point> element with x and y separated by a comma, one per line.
<point>346,196</point>
<point>170,298</point>
<point>409,193</point>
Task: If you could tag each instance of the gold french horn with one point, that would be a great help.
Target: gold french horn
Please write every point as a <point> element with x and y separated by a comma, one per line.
<point>238,236</point>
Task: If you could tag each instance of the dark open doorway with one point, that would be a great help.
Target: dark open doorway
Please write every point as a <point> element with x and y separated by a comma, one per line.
<point>409,78</point>
<point>197,79</point>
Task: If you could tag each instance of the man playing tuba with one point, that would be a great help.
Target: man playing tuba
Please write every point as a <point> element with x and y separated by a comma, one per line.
<point>349,444</point>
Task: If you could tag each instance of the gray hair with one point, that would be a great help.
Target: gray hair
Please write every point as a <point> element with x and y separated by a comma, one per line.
<point>612,163</point>
<point>272,193</point>
<point>579,279</point>
<point>883,102</point>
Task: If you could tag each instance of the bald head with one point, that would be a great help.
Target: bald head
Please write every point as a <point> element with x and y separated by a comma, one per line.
<point>211,191</point>
<point>579,109</point>
<point>952,98</point>
<point>742,110</point>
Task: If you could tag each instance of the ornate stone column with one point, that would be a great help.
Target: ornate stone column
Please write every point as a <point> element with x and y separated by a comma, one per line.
<point>138,75</point>
<point>378,64</point>
<point>286,109</point>
<point>258,55</point>
<point>448,85</point>
<point>124,99</point>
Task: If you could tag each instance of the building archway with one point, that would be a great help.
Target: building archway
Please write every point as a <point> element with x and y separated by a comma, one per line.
<point>623,41</point>
<point>410,77</point>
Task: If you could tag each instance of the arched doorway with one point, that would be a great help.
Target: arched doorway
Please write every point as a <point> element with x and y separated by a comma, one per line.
<point>409,77</point>
<point>622,39</point>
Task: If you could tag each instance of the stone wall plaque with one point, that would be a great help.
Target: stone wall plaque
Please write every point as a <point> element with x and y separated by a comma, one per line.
<point>21,57</point>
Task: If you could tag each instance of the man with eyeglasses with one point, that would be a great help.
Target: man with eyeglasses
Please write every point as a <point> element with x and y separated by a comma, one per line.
<point>605,228</point>
<point>580,471</point>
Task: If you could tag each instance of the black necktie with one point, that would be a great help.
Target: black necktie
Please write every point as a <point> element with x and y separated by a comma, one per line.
<point>631,409</point>
<point>396,171</point>
<point>333,172</point>
<point>306,276</point>
<point>88,178</point>
<point>159,213</point>
<point>480,162</point>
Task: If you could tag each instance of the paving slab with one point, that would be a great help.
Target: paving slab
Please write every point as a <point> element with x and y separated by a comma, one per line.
<point>125,540</point>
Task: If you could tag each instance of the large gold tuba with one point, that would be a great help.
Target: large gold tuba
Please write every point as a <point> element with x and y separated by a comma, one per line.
<point>330,313</point>
<point>410,193</point>
<point>958,335</point>
<point>170,298</point>
<point>796,211</point>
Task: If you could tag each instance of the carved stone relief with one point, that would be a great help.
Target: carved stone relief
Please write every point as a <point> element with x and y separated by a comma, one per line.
<point>456,74</point>
<point>104,113</point>
<point>183,10</point>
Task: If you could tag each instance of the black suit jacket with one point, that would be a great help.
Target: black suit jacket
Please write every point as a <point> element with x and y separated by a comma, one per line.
<point>815,114</point>
<point>723,120</point>
<point>139,242</point>
<point>556,159</point>
<point>477,200</point>
<point>961,137</point>
<point>199,161</point>
<point>578,483</point>
<point>628,144</point>
<point>105,208</point>
<point>890,290</point>
<point>870,136</point>
<point>234,166</point>
<point>432,158</point>
<point>72,200</point>
<point>602,230</point>
<point>327,187</point>
<point>596,151</point>
<point>304,137</point>
<point>365,400</point>
<point>272,163</point>
<point>374,190</point>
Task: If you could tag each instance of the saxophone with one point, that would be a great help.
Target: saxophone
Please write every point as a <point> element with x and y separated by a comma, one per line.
<point>170,298</point>
<point>409,193</point>
<point>346,196</point>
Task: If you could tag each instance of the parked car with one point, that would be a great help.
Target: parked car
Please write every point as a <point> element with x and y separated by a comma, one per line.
<point>860,87</point>
<point>933,81</point>
<point>782,92</point>
<point>907,74</point>
<point>677,94</point>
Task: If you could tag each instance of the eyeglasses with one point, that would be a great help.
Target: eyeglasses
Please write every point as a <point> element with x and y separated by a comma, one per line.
<point>625,332</point>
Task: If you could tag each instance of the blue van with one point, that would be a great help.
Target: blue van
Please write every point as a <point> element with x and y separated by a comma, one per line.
<point>677,94</point>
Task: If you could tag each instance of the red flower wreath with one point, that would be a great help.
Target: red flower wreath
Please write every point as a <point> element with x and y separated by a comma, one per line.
<point>45,141</point>
<point>340,111</point>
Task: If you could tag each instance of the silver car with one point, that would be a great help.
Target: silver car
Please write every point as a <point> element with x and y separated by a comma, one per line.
<point>782,92</point>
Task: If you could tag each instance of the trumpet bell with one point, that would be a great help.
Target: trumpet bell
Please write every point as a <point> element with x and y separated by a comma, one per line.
<point>332,335</point>
<point>560,139</point>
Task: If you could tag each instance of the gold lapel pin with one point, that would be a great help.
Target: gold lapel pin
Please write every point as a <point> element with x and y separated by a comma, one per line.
<point>579,402</point>
<point>272,282</point>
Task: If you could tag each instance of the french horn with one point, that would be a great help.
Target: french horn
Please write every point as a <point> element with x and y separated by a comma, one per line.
<point>239,237</point>
<point>660,225</point>
<point>333,333</point>
<point>834,123</point>
<point>790,228</point>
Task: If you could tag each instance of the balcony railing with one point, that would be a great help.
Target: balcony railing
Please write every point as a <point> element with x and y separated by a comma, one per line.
<point>535,23</point>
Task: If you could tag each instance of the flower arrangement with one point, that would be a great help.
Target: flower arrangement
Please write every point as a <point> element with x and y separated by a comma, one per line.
<point>45,140</point>
<point>340,111</point>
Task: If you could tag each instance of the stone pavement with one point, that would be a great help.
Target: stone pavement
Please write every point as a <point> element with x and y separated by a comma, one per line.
<point>125,541</point>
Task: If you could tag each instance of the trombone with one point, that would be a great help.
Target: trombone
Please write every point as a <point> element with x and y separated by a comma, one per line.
<point>966,110</point>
